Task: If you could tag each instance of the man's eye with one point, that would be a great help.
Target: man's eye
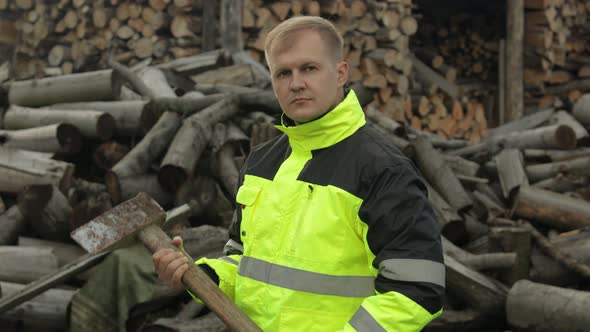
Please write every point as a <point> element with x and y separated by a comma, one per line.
<point>282,73</point>
<point>310,68</point>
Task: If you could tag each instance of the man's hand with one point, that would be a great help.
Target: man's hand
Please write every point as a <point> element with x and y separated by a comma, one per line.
<point>171,265</point>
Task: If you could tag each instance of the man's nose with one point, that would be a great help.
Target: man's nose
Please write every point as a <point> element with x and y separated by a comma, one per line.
<point>297,81</point>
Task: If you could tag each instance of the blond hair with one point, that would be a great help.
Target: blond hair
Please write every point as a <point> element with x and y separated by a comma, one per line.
<point>325,28</point>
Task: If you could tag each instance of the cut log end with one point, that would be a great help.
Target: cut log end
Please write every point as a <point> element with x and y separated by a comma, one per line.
<point>105,127</point>
<point>565,137</point>
<point>172,177</point>
<point>69,138</point>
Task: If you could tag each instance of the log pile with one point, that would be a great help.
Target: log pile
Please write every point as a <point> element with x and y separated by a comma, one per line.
<point>73,146</point>
<point>557,52</point>
<point>514,210</point>
<point>62,37</point>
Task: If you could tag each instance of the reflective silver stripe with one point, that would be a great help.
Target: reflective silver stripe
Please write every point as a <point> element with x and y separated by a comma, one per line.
<point>416,270</point>
<point>232,245</point>
<point>306,281</point>
<point>363,321</point>
<point>229,260</point>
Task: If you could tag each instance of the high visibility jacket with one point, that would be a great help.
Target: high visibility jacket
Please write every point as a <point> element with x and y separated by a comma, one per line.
<point>333,232</point>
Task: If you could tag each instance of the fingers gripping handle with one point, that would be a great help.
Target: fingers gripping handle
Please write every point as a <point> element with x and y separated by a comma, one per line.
<point>199,283</point>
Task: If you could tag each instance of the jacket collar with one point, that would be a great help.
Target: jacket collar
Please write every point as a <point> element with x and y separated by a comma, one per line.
<point>334,126</point>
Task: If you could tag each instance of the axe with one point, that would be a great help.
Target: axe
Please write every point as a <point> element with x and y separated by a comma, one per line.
<point>141,216</point>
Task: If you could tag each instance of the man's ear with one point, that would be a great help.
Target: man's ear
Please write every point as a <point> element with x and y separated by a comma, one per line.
<point>342,71</point>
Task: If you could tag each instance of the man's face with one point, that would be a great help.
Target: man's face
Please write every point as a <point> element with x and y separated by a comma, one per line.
<point>306,78</point>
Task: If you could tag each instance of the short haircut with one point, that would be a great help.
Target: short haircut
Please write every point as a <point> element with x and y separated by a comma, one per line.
<point>325,28</point>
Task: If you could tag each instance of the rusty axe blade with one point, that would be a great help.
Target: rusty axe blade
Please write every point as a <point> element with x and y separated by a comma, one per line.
<point>120,224</point>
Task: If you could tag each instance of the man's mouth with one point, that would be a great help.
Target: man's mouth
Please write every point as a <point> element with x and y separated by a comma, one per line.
<point>299,100</point>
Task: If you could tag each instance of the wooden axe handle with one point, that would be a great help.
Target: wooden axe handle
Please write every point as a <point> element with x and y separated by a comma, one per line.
<point>199,283</point>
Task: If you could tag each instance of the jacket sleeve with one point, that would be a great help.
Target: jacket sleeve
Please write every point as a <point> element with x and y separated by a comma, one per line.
<point>223,270</point>
<point>403,236</point>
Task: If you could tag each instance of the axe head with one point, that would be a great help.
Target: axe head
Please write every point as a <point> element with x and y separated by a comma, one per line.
<point>119,225</point>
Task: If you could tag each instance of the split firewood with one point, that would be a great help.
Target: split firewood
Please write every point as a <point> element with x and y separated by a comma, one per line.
<point>190,142</point>
<point>19,169</point>
<point>153,143</point>
<point>511,171</point>
<point>48,210</point>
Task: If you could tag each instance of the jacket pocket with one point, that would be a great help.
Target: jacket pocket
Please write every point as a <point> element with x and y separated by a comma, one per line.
<point>247,198</point>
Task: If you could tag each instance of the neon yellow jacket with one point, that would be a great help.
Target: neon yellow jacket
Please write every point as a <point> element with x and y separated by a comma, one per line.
<point>333,232</point>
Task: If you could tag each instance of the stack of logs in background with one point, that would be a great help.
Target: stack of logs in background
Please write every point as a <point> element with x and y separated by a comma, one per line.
<point>512,202</point>
<point>557,51</point>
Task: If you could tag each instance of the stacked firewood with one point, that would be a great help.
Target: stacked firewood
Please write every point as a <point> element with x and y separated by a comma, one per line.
<point>455,72</point>
<point>73,36</point>
<point>557,52</point>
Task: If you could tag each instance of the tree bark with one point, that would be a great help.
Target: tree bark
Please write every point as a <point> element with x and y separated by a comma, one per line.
<point>511,171</point>
<point>148,183</point>
<point>560,309</point>
<point>64,252</point>
<point>518,241</point>
<point>90,86</point>
<point>200,63</point>
<point>26,264</point>
<point>92,124</point>
<point>185,106</point>
<point>440,175</point>
<point>581,110</point>
<point>555,210</point>
<point>579,166</point>
<point>126,113</point>
<point>547,156</point>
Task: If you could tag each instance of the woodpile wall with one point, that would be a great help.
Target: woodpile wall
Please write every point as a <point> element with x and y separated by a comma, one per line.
<point>557,51</point>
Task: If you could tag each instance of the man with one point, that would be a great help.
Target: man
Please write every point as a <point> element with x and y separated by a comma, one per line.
<point>333,229</point>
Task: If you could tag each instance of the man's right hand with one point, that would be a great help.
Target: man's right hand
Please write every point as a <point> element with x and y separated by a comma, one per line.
<point>171,265</point>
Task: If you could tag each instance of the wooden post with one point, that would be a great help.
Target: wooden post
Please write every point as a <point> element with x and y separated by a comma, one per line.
<point>502,82</point>
<point>231,25</point>
<point>514,59</point>
<point>209,32</point>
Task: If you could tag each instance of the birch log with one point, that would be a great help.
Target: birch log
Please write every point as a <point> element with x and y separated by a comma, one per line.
<point>547,308</point>
<point>581,110</point>
<point>437,171</point>
<point>126,113</point>
<point>556,210</point>
<point>92,124</point>
<point>90,86</point>
<point>58,138</point>
<point>153,143</point>
<point>511,171</point>
<point>46,312</point>
<point>579,166</point>
<point>26,264</point>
